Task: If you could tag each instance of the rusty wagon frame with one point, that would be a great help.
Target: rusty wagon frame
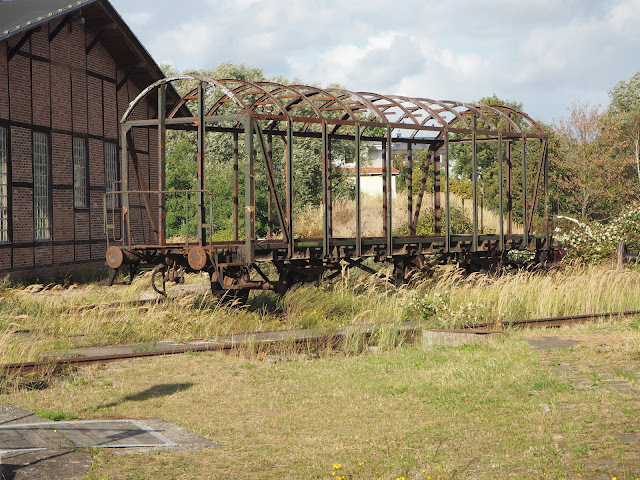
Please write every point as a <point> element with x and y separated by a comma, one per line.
<point>260,112</point>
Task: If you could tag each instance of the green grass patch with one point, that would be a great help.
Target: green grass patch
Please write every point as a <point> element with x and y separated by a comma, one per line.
<point>55,415</point>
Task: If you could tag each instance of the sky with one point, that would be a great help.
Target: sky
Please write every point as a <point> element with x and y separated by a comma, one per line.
<point>546,54</point>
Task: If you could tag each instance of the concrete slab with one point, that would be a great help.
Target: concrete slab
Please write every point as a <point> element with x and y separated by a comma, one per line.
<point>34,448</point>
<point>455,338</point>
<point>10,415</point>
<point>182,439</point>
<point>44,464</point>
<point>629,438</point>
<point>551,343</point>
<point>79,434</point>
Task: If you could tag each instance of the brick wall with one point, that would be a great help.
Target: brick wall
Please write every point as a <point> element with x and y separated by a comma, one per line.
<point>57,88</point>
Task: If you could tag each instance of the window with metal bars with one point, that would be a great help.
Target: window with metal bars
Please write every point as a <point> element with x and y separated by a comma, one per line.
<point>41,218</point>
<point>4,186</point>
<point>111,173</point>
<point>79,173</point>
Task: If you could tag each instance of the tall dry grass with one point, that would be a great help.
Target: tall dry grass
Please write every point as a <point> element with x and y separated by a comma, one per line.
<point>308,223</point>
<point>32,325</point>
<point>452,299</point>
<point>458,299</point>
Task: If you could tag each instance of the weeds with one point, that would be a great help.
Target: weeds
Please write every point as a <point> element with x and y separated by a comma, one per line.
<point>55,415</point>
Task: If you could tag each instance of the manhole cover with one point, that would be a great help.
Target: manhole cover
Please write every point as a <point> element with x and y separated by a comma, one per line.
<point>79,434</point>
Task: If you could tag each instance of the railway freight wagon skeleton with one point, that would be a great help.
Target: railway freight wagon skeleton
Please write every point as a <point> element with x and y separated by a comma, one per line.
<point>255,116</point>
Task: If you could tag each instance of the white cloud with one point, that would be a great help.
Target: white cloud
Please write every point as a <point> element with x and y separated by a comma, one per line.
<point>544,53</point>
<point>139,19</point>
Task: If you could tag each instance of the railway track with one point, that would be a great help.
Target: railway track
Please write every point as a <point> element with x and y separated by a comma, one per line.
<point>554,321</point>
<point>293,338</point>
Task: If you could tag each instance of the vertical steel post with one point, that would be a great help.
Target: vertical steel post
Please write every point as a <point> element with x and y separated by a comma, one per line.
<point>437,212</point>
<point>289,185</point>
<point>447,214</point>
<point>384,187</point>
<point>249,192</point>
<point>270,195</point>
<point>325,193</point>
<point>509,185</point>
<point>202,236</point>
<point>525,222</point>
<point>389,218</point>
<point>481,209</point>
<point>124,172</point>
<point>162,175</point>
<point>474,176</point>
<point>330,186</point>
<point>547,232</point>
<point>236,180</point>
<point>358,213</point>
<point>412,231</point>
<point>500,193</point>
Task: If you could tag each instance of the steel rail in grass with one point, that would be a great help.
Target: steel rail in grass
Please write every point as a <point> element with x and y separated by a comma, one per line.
<point>292,337</point>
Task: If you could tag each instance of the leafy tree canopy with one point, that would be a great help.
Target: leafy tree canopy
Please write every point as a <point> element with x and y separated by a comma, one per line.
<point>219,173</point>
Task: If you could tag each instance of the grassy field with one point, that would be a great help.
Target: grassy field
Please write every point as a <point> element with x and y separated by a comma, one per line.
<point>475,412</point>
<point>467,413</point>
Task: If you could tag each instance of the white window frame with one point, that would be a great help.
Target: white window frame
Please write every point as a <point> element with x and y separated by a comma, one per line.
<point>4,185</point>
<point>111,173</point>
<point>41,187</point>
<point>80,173</point>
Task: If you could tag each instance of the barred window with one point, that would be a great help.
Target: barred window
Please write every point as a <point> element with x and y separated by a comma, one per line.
<point>111,172</point>
<point>79,172</point>
<point>41,186</point>
<point>4,187</point>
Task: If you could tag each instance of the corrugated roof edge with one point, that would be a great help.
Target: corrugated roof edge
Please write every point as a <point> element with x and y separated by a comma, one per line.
<point>44,18</point>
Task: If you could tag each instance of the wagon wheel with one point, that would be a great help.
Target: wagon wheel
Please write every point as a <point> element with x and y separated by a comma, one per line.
<point>237,298</point>
<point>230,296</point>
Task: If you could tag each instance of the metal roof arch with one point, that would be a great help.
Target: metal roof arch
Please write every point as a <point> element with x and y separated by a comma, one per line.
<point>212,82</point>
<point>394,111</point>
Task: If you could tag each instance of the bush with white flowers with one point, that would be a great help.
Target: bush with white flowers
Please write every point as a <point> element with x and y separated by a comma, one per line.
<point>595,242</point>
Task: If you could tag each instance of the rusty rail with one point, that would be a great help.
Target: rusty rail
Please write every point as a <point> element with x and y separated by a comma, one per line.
<point>306,338</point>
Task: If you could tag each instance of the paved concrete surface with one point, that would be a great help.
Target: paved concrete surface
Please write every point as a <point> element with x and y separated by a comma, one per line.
<point>181,438</point>
<point>34,448</point>
<point>550,343</point>
<point>44,464</point>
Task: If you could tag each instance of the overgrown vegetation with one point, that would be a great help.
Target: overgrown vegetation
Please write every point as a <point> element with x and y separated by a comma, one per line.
<point>53,321</point>
<point>595,242</point>
<point>404,413</point>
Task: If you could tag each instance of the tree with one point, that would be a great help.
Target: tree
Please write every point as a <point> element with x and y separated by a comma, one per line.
<point>486,153</point>
<point>461,155</point>
<point>590,177</point>
<point>181,162</point>
<point>625,105</point>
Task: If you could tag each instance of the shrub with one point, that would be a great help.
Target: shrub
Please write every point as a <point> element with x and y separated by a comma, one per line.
<point>595,242</point>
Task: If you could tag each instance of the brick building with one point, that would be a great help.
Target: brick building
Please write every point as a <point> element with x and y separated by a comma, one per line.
<point>67,74</point>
